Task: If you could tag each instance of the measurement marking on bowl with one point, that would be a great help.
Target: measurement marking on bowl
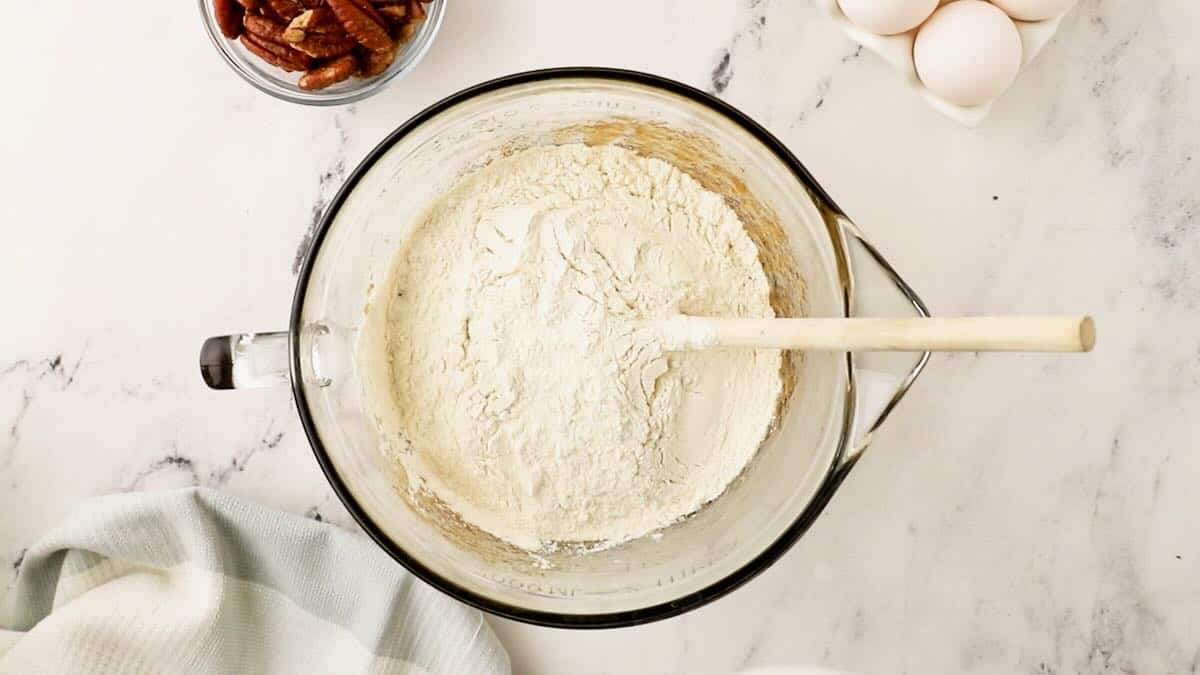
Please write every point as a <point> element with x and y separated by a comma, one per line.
<point>558,591</point>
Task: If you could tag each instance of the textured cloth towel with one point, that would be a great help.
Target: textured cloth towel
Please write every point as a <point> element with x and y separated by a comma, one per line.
<point>193,581</point>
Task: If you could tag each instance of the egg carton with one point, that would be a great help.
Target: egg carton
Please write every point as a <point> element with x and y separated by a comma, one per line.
<point>897,50</point>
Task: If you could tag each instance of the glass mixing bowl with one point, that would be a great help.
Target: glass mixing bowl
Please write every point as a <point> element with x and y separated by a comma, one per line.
<point>816,259</point>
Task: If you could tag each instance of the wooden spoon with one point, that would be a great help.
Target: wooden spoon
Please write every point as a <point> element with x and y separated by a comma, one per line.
<point>962,334</point>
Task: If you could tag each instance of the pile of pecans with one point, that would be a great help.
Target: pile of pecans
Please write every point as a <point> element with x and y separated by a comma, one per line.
<point>329,40</point>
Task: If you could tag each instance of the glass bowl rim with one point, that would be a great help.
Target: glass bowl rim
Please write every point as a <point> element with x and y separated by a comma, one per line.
<point>837,471</point>
<point>368,88</point>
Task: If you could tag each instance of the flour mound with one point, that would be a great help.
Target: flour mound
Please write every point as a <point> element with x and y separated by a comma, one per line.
<point>530,402</point>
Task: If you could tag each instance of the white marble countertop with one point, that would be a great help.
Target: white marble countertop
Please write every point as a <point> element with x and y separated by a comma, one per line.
<point>1018,514</point>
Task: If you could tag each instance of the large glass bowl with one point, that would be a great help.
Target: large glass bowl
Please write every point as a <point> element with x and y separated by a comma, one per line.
<point>816,260</point>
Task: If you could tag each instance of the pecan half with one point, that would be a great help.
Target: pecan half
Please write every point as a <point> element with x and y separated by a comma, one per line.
<point>370,32</point>
<point>229,17</point>
<point>248,5</point>
<point>396,14</point>
<point>416,10</point>
<point>331,73</point>
<point>280,56</point>
<point>264,27</point>
<point>294,35</point>
<point>371,11</point>
<point>263,9</point>
<point>286,9</point>
<point>406,32</point>
<point>324,46</point>
<point>319,20</point>
<point>375,63</point>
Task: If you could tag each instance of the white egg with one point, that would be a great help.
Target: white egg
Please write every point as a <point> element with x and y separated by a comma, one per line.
<point>968,52</point>
<point>887,17</point>
<point>1034,10</point>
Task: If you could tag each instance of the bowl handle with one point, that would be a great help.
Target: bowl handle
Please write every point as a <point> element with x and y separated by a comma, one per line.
<point>245,361</point>
<point>879,380</point>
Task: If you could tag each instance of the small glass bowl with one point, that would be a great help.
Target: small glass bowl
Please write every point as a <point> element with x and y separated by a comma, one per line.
<point>282,85</point>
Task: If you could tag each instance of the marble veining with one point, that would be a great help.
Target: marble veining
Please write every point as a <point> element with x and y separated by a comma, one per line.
<point>748,37</point>
<point>824,84</point>
<point>33,375</point>
<point>327,185</point>
<point>215,477</point>
<point>1024,514</point>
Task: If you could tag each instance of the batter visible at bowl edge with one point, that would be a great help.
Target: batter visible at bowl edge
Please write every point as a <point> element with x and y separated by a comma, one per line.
<point>526,399</point>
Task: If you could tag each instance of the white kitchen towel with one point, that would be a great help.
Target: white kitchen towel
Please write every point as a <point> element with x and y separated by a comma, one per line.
<point>193,581</point>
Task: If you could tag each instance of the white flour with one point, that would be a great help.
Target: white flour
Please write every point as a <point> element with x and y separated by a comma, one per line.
<point>529,403</point>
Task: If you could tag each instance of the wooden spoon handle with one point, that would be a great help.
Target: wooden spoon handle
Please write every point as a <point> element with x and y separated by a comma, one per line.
<point>964,334</point>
